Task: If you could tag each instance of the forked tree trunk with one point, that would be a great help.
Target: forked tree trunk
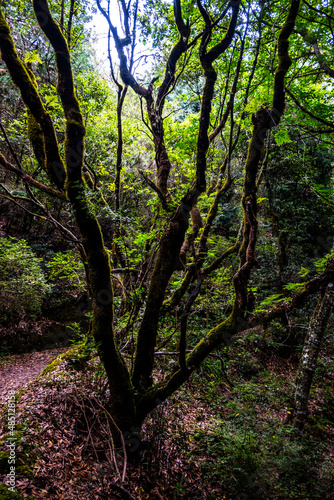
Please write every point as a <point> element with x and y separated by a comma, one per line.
<point>309,357</point>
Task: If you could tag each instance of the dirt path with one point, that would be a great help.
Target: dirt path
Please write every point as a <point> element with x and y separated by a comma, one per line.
<point>18,370</point>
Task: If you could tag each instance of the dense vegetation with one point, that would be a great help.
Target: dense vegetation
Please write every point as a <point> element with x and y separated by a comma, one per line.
<point>176,212</point>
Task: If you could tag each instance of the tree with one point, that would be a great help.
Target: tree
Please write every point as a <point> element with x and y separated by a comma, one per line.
<point>225,35</point>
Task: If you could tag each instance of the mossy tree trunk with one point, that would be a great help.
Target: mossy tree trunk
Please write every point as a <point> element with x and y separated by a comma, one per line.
<point>97,256</point>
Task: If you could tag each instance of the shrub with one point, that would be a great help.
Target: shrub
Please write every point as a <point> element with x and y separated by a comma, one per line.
<point>22,282</point>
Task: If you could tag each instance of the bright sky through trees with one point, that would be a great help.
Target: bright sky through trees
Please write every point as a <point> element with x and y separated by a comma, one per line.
<point>99,27</point>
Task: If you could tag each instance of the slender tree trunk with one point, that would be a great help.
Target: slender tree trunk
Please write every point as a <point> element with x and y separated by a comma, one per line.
<point>62,15</point>
<point>121,96</point>
<point>309,357</point>
<point>69,25</point>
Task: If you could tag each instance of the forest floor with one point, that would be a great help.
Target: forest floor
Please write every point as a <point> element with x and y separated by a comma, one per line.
<point>215,439</point>
<point>16,371</point>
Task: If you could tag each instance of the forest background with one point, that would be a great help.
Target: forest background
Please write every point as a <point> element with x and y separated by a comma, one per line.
<point>176,215</point>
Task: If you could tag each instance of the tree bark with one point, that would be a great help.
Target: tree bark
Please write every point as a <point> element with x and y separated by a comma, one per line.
<point>69,24</point>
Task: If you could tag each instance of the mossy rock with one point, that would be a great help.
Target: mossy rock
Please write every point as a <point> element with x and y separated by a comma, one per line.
<point>72,353</point>
<point>51,367</point>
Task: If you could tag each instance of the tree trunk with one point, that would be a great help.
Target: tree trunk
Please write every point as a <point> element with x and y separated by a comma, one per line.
<point>69,24</point>
<point>309,357</point>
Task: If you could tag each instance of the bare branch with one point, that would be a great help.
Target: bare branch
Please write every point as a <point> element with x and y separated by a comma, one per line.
<point>30,180</point>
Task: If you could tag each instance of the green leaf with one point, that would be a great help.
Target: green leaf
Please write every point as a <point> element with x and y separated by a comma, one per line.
<point>31,57</point>
<point>270,301</point>
<point>294,287</point>
<point>282,137</point>
<point>303,272</point>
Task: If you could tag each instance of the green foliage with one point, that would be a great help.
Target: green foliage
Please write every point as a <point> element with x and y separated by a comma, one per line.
<point>77,336</point>
<point>156,22</point>
<point>270,301</point>
<point>235,454</point>
<point>282,137</point>
<point>294,287</point>
<point>32,57</point>
<point>68,269</point>
<point>22,282</point>
<point>303,272</point>
<point>320,264</point>
<point>300,201</point>
<point>93,92</point>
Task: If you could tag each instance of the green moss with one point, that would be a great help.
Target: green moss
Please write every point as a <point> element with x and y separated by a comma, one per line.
<point>25,454</point>
<point>5,494</point>
<point>36,138</point>
<point>51,367</point>
<point>73,353</point>
<point>73,125</point>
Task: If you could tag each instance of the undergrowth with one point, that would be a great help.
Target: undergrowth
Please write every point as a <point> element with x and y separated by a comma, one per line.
<point>222,436</point>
